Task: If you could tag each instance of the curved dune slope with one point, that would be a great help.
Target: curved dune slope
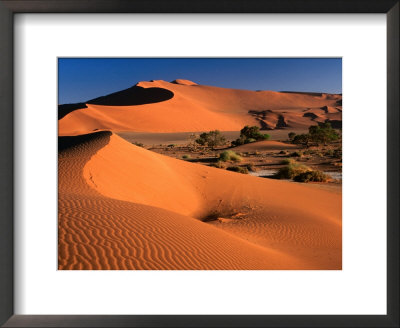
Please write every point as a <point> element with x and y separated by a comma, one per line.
<point>124,207</point>
<point>264,146</point>
<point>184,106</point>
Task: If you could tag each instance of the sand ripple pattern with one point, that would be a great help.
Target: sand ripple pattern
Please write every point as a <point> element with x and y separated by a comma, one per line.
<point>132,229</point>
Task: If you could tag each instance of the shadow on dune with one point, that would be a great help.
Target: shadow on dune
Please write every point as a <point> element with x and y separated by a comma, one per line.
<point>133,96</point>
<point>128,97</point>
<point>63,110</point>
<point>65,143</point>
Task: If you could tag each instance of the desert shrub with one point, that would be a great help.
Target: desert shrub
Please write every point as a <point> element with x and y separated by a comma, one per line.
<point>219,165</point>
<point>250,167</point>
<point>311,176</point>
<point>139,144</point>
<point>291,135</point>
<point>250,134</point>
<point>229,155</point>
<point>253,132</point>
<point>283,152</point>
<point>296,154</point>
<point>238,169</point>
<point>302,139</point>
<point>186,157</point>
<point>291,170</point>
<point>287,161</point>
<point>329,152</point>
<point>171,145</point>
<point>337,153</point>
<point>211,139</point>
<point>238,142</point>
<point>323,133</point>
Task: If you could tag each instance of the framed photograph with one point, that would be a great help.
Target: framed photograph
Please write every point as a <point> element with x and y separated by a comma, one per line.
<point>199,164</point>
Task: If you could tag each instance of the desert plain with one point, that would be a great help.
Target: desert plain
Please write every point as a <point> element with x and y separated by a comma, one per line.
<point>137,191</point>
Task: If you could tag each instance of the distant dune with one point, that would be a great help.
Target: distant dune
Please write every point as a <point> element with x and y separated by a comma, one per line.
<point>124,207</point>
<point>184,106</point>
<point>264,146</point>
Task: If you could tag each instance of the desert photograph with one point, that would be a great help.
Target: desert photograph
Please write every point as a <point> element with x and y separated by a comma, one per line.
<point>200,164</point>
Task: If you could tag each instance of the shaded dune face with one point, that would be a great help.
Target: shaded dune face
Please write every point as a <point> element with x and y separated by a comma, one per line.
<point>129,97</point>
<point>64,110</point>
<point>184,106</point>
<point>134,96</point>
<point>124,207</point>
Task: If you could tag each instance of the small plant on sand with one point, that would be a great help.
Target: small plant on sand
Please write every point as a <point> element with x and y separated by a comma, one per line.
<point>296,154</point>
<point>291,170</point>
<point>291,135</point>
<point>186,157</point>
<point>219,165</point>
<point>139,144</point>
<point>229,155</point>
<point>283,152</point>
<point>211,139</point>
<point>251,167</point>
<point>238,169</point>
<point>311,176</point>
<point>287,161</point>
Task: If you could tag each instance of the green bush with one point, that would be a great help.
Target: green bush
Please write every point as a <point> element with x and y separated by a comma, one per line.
<point>249,134</point>
<point>219,165</point>
<point>311,176</point>
<point>229,155</point>
<point>321,133</point>
<point>186,157</point>
<point>291,135</point>
<point>302,139</point>
<point>291,170</point>
<point>238,169</point>
<point>211,139</point>
<point>287,161</point>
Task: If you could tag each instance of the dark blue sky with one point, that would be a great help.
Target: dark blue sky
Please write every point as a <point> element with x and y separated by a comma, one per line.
<point>81,79</point>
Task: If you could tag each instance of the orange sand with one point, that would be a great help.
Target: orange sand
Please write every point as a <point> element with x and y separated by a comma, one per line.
<point>124,207</point>
<point>264,146</point>
<point>203,108</point>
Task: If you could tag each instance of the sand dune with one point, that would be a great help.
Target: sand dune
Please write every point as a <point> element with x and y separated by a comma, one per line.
<point>184,106</point>
<point>124,207</point>
<point>264,146</point>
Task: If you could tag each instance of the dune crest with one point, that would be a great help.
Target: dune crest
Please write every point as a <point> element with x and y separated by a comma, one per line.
<point>184,82</point>
<point>184,106</point>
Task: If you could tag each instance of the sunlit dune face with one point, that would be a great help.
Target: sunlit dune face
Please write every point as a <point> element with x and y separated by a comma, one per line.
<point>125,207</point>
<point>184,106</point>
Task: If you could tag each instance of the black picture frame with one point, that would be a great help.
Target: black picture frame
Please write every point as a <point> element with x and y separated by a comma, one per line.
<point>10,7</point>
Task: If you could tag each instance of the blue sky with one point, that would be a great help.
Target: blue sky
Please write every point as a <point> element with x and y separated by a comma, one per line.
<point>81,79</point>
